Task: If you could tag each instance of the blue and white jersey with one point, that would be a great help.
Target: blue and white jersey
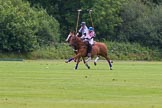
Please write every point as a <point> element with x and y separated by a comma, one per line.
<point>84,30</point>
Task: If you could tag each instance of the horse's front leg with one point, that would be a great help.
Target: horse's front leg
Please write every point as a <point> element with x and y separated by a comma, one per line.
<point>85,63</point>
<point>73,58</point>
<point>76,66</point>
<point>69,60</point>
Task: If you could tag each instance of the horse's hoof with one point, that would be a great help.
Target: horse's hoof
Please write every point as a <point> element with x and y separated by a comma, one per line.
<point>88,67</point>
<point>95,63</point>
<point>111,68</point>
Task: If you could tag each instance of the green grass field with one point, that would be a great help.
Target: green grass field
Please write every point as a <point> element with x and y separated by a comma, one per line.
<point>54,84</point>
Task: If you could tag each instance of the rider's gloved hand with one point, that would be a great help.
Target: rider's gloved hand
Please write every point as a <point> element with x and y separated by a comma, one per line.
<point>82,37</point>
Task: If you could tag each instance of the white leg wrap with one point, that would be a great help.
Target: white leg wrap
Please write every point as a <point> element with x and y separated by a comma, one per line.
<point>96,59</point>
<point>89,58</point>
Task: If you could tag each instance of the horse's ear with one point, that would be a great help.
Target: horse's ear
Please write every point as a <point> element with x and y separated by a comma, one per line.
<point>73,32</point>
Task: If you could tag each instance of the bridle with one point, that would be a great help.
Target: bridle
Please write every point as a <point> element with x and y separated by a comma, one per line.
<point>68,38</point>
<point>74,44</point>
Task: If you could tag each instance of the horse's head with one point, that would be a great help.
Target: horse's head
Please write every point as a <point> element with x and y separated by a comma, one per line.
<point>73,40</point>
<point>69,37</point>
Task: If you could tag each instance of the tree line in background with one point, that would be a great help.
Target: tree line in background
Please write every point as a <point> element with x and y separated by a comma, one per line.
<point>29,24</point>
<point>24,28</point>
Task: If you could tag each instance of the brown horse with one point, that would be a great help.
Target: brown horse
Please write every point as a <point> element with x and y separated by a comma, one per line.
<point>76,50</point>
<point>99,49</point>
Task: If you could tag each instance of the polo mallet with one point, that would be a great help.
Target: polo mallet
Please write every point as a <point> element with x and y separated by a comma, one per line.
<point>90,11</point>
<point>79,10</point>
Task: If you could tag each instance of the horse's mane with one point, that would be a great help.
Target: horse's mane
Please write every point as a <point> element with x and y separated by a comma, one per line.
<point>79,42</point>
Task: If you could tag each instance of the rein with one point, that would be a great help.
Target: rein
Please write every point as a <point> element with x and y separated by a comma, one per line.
<point>75,41</point>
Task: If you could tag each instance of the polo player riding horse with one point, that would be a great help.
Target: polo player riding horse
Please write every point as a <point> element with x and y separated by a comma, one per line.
<point>98,49</point>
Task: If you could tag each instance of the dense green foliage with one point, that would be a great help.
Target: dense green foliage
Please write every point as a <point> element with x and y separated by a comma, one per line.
<point>23,29</point>
<point>54,84</point>
<point>116,51</point>
<point>27,25</point>
<point>104,15</point>
<point>119,20</point>
<point>141,24</point>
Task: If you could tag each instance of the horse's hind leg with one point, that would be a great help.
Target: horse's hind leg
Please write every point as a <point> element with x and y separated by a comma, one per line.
<point>95,62</point>
<point>109,61</point>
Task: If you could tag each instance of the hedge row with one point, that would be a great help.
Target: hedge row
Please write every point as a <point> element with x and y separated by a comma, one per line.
<point>117,51</point>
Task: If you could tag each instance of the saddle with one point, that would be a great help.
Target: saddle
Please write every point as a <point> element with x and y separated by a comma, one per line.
<point>89,48</point>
